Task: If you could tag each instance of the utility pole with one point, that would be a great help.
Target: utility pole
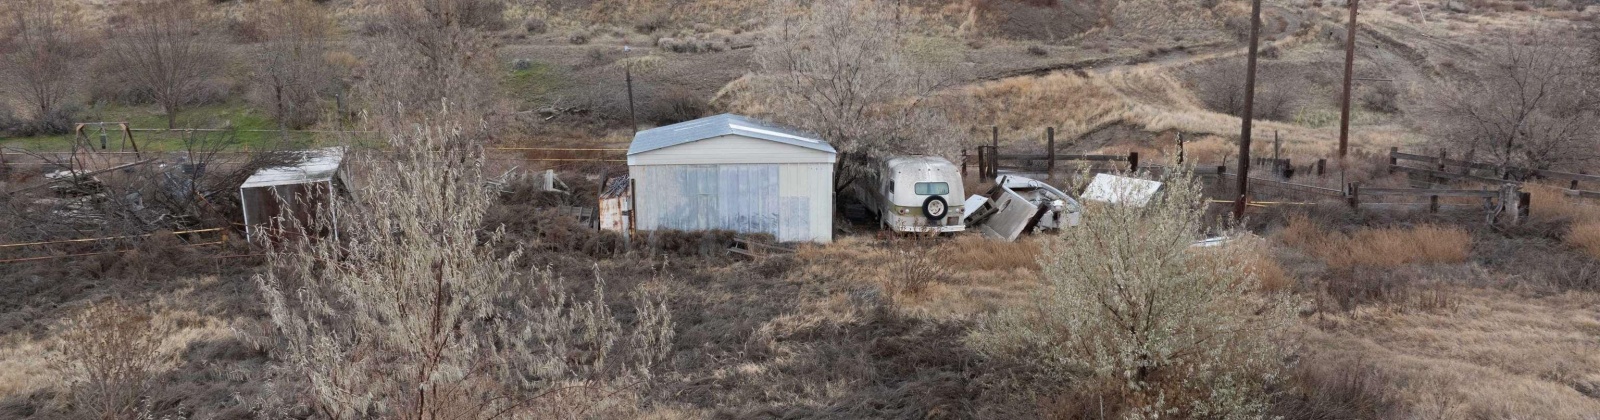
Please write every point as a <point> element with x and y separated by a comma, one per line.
<point>1349,74</point>
<point>627,71</point>
<point>1249,111</point>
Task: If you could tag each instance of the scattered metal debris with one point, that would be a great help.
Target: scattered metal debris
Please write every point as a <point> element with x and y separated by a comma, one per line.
<point>1019,205</point>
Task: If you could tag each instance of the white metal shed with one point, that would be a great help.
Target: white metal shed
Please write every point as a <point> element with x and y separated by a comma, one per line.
<point>271,194</point>
<point>730,172</point>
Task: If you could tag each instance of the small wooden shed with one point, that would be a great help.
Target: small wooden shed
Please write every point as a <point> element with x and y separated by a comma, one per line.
<point>730,172</point>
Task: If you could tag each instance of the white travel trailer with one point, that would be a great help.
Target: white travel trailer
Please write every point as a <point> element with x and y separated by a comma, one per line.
<point>921,194</point>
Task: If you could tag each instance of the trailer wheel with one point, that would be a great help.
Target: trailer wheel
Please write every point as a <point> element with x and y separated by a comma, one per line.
<point>935,208</point>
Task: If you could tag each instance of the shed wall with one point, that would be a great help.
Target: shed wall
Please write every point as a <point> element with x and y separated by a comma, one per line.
<point>793,202</point>
<point>731,149</point>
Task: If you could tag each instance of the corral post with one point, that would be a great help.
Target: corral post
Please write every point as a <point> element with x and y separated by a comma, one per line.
<point>983,162</point>
<point>1133,161</point>
<point>1277,145</point>
<point>1511,198</point>
<point>1392,159</point>
<point>1180,148</point>
<point>1443,154</point>
<point>1354,190</point>
<point>1288,169</point>
<point>1322,167</point>
<point>1526,202</point>
<point>1050,145</point>
<point>1433,204</point>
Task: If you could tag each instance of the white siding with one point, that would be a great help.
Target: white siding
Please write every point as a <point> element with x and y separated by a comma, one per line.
<point>731,149</point>
<point>793,202</point>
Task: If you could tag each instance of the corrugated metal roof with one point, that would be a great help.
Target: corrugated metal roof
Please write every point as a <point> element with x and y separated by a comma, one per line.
<point>615,187</point>
<point>722,125</point>
<point>318,166</point>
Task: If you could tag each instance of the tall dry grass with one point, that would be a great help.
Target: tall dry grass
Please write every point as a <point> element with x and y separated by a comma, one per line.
<point>1581,216</point>
<point>1378,248</point>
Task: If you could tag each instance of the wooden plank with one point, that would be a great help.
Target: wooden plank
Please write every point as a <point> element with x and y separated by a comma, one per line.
<point>1428,192</point>
<point>1437,161</point>
<point>1090,158</point>
<point>1583,194</point>
<point>1447,175</point>
<point>1567,176</point>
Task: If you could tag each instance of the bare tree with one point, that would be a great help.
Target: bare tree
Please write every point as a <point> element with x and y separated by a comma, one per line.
<point>432,54</point>
<point>169,50</point>
<point>44,48</point>
<point>1535,102</point>
<point>294,74</point>
<point>843,69</point>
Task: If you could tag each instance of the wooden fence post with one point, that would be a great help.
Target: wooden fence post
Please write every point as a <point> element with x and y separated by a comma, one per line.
<point>1050,143</point>
<point>983,163</point>
<point>1354,190</point>
<point>1433,204</point>
<point>1443,154</point>
<point>1322,167</point>
<point>1511,199</point>
<point>1133,161</point>
<point>1180,148</point>
<point>1392,159</point>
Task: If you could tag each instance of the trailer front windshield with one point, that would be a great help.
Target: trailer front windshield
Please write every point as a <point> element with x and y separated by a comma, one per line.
<point>933,188</point>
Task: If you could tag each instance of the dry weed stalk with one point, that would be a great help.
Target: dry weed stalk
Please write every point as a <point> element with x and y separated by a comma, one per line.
<point>110,354</point>
<point>410,313</point>
<point>1125,305</point>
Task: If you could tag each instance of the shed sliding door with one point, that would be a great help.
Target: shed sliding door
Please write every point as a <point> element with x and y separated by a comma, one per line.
<point>742,198</point>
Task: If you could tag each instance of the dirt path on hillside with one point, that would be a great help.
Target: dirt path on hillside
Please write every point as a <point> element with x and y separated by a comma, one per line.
<point>1280,25</point>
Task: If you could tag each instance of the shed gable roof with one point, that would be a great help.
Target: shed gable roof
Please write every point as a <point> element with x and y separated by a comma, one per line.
<point>315,166</point>
<point>718,126</point>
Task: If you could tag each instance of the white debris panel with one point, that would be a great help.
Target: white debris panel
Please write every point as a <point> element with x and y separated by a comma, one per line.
<point>1112,189</point>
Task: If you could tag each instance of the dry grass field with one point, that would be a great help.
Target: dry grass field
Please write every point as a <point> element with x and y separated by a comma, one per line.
<point>1391,313</point>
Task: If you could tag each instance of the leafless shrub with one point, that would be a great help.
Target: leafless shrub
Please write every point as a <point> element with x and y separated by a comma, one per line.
<point>110,354</point>
<point>1169,329</point>
<point>169,51</point>
<point>1383,97</point>
<point>917,265</point>
<point>432,321</point>
<point>1222,89</point>
<point>1532,104</point>
<point>1321,386</point>
<point>1049,21</point>
<point>535,25</point>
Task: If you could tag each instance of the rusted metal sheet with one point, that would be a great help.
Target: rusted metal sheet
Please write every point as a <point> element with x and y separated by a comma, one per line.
<point>615,205</point>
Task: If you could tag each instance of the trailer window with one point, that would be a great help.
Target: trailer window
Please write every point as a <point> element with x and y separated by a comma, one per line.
<point>933,188</point>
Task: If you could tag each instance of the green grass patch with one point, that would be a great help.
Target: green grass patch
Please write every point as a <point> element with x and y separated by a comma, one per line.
<point>1328,117</point>
<point>534,84</point>
<point>255,130</point>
